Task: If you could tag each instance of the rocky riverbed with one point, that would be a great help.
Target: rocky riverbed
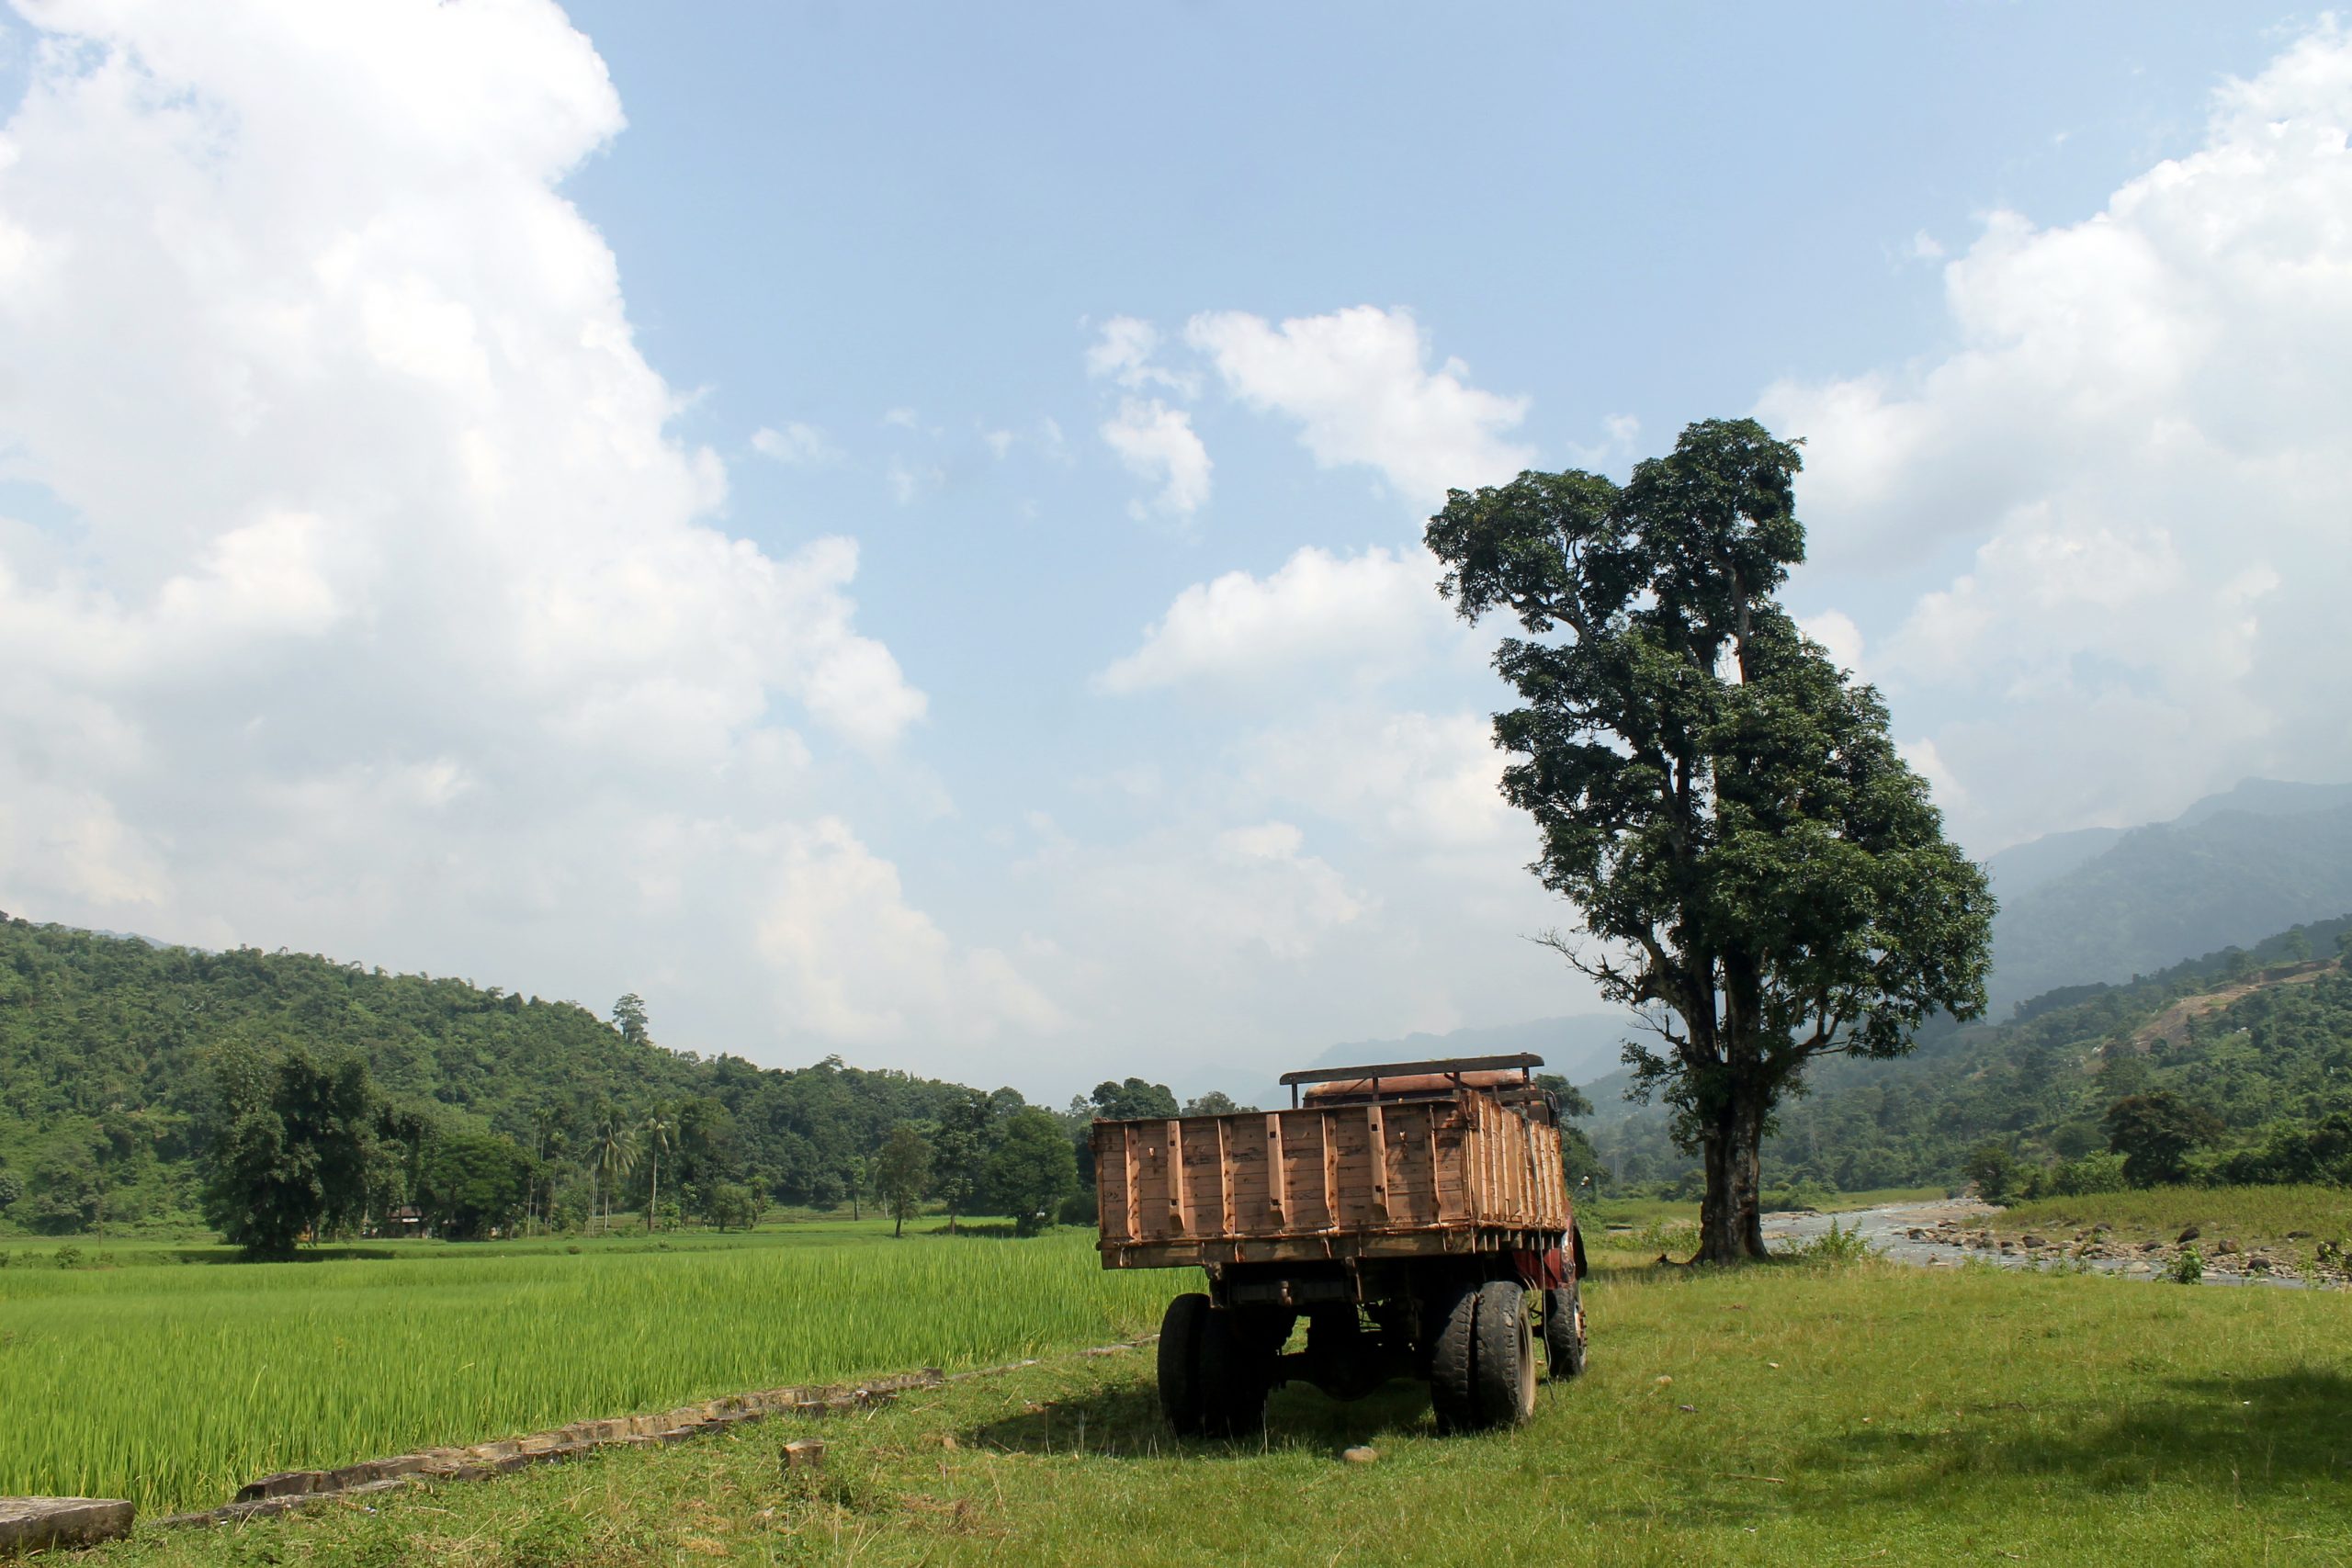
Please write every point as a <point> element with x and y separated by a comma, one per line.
<point>1948,1232</point>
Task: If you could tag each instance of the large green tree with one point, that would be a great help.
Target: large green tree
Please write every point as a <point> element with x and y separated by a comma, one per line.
<point>2155,1133</point>
<point>292,1150</point>
<point>959,1154</point>
<point>1127,1101</point>
<point>472,1183</point>
<point>1031,1168</point>
<point>903,1172</point>
<point>1753,866</point>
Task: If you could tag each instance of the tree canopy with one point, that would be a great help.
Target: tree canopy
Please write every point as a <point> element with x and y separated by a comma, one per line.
<point>1752,864</point>
<point>294,1150</point>
<point>1033,1168</point>
<point>902,1173</point>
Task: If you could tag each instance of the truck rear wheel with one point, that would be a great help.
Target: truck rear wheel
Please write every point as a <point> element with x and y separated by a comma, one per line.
<point>1504,1361</point>
<point>1564,1332</point>
<point>1453,1356</point>
<point>1180,1333</point>
<point>1235,1375</point>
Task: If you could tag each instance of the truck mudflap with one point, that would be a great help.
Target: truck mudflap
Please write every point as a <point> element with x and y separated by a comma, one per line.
<point>1545,1270</point>
<point>1553,1267</point>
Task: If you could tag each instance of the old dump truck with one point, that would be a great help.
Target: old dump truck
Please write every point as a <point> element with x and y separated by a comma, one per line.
<point>1415,1213</point>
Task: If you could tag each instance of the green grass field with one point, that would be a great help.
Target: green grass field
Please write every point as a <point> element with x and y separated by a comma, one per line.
<point>2253,1215</point>
<point>174,1383</point>
<point>1814,1415</point>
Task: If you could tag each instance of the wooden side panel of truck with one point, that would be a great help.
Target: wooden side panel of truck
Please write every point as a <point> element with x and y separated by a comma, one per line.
<point>1399,1178</point>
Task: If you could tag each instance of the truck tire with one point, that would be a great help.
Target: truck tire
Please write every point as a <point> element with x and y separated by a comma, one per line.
<point>1452,1358</point>
<point>1564,1332</point>
<point>1180,1333</point>
<point>1503,1382</point>
<point>1235,1375</point>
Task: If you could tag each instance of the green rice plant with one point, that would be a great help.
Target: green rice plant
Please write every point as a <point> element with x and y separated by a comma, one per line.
<point>1871,1416</point>
<point>173,1386</point>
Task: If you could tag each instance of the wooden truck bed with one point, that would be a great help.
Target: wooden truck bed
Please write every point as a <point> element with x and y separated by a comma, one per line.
<point>1457,1172</point>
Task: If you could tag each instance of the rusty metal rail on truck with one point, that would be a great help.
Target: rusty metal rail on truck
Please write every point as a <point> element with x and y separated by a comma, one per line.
<point>1405,1160</point>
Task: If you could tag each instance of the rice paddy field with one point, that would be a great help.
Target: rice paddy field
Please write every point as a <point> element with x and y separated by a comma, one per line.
<point>1798,1414</point>
<point>172,1378</point>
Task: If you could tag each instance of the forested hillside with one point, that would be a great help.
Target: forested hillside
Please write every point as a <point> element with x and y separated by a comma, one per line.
<point>2259,1040</point>
<point>107,1092</point>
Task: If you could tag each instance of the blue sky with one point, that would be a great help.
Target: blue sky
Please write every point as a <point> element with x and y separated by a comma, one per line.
<point>895,530</point>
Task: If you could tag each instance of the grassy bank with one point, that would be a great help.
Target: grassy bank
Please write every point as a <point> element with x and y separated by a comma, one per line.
<point>2252,1215</point>
<point>1812,1416</point>
<point>172,1385</point>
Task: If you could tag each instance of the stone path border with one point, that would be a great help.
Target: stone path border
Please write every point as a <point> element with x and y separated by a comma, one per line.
<point>295,1489</point>
<point>35,1524</point>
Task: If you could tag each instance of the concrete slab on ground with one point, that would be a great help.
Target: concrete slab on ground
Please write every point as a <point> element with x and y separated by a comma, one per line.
<point>31,1524</point>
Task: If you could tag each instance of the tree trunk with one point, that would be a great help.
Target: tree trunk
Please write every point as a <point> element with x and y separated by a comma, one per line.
<point>654,1202</point>
<point>1731,1224</point>
<point>900,1228</point>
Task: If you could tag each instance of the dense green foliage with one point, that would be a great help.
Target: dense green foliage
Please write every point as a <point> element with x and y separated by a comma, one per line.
<point>294,1150</point>
<point>902,1173</point>
<point>2259,1040</point>
<point>1752,864</point>
<point>1033,1167</point>
<point>112,1052</point>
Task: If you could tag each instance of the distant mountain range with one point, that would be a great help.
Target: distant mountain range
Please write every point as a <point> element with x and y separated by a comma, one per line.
<point>2082,907</point>
<point>2104,904</point>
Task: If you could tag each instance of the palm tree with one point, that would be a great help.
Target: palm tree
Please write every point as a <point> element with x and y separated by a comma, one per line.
<point>657,1138</point>
<point>616,1156</point>
<point>552,1149</point>
<point>546,1125</point>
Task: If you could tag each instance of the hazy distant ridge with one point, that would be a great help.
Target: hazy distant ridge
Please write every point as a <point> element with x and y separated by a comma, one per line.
<point>2106,904</point>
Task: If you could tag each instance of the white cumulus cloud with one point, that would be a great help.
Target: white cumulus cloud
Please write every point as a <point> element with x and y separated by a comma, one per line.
<point>1159,446</point>
<point>1359,384</point>
<point>1423,784</point>
<point>391,616</point>
<point>1374,611</point>
<point>2139,439</point>
<point>854,961</point>
<point>1123,350</point>
<point>796,446</point>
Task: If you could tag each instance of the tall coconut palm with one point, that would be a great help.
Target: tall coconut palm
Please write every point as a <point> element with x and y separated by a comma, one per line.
<point>658,1129</point>
<point>615,1149</point>
<point>549,1142</point>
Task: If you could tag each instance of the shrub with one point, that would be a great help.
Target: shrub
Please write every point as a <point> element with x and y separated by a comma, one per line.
<point>1994,1170</point>
<point>1801,1193</point>
<point>2187,1268</point>
<point>1838,1247</point>
<point>2154,1133</point>
<point>2095,1172</point>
